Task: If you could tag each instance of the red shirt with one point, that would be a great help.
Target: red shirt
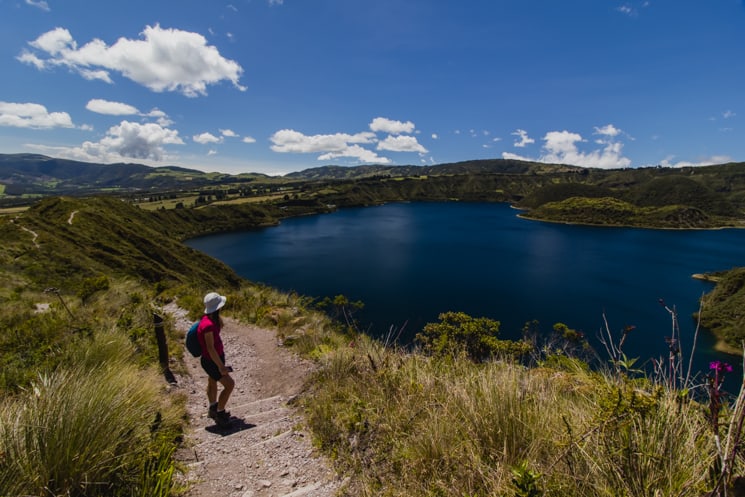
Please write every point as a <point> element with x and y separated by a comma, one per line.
<point>206,325</point>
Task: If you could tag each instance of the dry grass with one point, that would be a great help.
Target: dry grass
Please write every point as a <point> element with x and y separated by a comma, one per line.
<point>406,424</point>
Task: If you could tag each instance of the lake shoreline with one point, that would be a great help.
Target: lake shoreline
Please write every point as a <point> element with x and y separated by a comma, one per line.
<point>481,285</point>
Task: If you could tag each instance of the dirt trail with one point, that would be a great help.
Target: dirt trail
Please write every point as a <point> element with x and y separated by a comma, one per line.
<point>267,452</point>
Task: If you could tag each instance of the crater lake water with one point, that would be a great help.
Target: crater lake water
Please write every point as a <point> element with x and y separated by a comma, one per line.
<point>408,262</point>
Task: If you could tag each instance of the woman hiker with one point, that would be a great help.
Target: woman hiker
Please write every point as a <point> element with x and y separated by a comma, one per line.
<point>213,359</point>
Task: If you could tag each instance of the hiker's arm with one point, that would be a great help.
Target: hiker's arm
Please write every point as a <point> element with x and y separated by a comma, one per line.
<point>209,341</point>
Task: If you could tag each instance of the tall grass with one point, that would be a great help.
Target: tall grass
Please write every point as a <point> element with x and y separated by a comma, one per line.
<point>413,425</point>
<point>81,431</point>
<point>82,414</point>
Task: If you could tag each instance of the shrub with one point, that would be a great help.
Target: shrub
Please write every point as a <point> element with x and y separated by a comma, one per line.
<point>458,332</point>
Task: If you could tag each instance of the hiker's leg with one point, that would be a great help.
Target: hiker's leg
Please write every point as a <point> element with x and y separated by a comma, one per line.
<point>227,383</point>
<point>211,390</point>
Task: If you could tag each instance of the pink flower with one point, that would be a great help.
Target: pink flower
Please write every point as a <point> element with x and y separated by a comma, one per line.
<point>720,366</point>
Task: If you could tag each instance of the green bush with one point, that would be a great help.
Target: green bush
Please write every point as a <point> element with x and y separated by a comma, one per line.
<point>477,337</point>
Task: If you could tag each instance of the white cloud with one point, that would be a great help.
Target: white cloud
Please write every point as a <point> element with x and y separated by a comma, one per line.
<point>333,146</point>
<point>435,136</point>
<point>228,133</point>
<point>523,138</point>
<point>401,144</point>
<point>110,108</point>
<point>276,2</point>
<point>40,4</point>
<point>381,124</point>
<point>330,146</point>
<point>160,117</point>
<point>129,140</point>
<point>248,139</point>
<point>607,130</point>
<point>356,152</point>
<point>212,152</point>
<point>510,155</point>
<point>627,9</point>
<point>728,114</point>
<point>162,60</point>
<point>205,138</point>
<point>710,161</point>
<point>289,140</point>
<point>561,147</point>
<point>30,115</point>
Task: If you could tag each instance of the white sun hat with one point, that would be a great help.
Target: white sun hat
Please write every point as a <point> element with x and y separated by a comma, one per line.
<point>213,301</point>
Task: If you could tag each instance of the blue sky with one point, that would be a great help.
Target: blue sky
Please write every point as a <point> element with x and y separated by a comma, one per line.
<point>275,86</point>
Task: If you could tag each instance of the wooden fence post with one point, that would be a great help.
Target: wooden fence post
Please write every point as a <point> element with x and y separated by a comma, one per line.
<point>160,336</point>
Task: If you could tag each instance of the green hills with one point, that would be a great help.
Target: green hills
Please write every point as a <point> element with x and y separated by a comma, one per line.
<point>83,274</point>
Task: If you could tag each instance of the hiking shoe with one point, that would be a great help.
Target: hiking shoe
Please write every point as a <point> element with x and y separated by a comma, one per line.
<point>212,412</point>
<point>222,418</point>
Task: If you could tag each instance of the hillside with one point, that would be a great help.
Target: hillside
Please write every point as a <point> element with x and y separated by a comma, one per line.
<point>30,174</point>
<point>396,423</point>
<point>701,197</point>
<point>62,242</point>
<point>487,166</point>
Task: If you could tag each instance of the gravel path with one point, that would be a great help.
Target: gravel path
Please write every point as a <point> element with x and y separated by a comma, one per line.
<point>267,452</point>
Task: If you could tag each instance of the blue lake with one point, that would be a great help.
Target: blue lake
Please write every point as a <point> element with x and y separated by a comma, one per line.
<point>408,262</point>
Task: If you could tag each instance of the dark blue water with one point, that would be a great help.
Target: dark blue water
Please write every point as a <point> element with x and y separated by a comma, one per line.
<point>409,262</point>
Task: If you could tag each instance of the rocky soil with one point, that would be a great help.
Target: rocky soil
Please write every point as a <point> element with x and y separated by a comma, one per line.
<point>267,452</point>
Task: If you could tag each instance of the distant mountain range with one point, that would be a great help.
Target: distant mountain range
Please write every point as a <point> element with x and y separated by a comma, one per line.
<point>485,166</point>
<point>33,174</point>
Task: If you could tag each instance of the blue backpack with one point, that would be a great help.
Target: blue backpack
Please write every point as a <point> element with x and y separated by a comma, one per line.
<point>192,342</point>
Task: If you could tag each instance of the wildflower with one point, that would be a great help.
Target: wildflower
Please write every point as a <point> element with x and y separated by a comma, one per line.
<point>720,367</point>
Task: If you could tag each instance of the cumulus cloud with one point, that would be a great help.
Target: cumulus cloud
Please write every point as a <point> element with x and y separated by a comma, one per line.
<point>160,117</point>
<point>384,125</point>
<point>709,161</point>
<point>289,140</point>
<point>248,139</point>
<point>607,130</point>
<point>337,145</point>
<point>329,146</point>
<point>129,140</point>
<point>205,138</point>
<point>562,147</point>
<point>523,138</point>
<point>162,60</point>
<point>41,4</point>
<point>356,152</point>
<point>110,108</point>
<point>401,144</point>
<point>228,132</point>
<point>31,115</point>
